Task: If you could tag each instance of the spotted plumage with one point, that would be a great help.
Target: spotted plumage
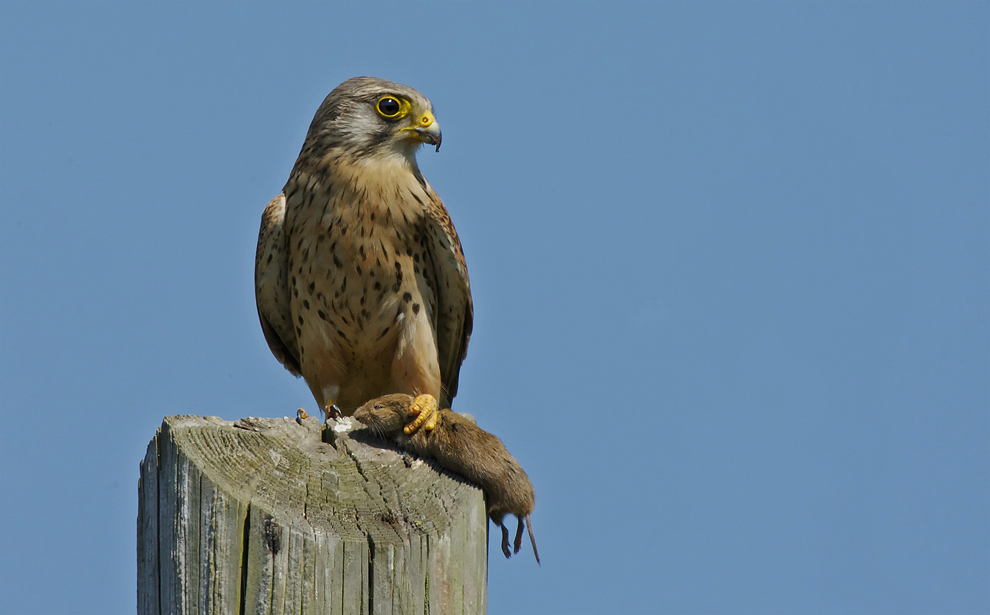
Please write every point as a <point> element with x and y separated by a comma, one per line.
<point>360,279</point>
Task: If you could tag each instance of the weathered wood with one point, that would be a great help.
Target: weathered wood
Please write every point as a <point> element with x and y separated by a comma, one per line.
<point>261,516</point>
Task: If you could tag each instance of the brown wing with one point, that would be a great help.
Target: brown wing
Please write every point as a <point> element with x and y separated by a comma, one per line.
<point>455,311</point>
<point>271,289</point>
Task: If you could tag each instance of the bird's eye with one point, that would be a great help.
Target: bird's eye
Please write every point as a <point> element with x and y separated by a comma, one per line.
<point>389,107</point>
<point>378,406</point>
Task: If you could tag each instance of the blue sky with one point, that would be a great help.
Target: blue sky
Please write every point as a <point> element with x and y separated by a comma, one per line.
<point>730,265</point>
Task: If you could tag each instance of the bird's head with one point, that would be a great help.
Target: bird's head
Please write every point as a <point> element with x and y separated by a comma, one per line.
<point>369,117</point>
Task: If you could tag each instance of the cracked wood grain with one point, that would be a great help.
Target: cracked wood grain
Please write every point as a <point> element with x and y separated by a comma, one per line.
<point>273,516</point>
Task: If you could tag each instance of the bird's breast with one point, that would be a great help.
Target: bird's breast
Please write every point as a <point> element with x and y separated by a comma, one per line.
<point>357,269</point>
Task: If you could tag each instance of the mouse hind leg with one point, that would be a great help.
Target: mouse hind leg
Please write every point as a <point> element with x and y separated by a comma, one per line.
<point>519,529</point>
<point>505,540</point>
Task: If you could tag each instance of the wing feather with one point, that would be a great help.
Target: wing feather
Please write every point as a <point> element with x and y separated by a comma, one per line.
<point>455,310</point>
<point>271,288</point>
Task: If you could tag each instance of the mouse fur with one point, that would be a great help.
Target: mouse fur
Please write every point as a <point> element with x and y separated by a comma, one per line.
<point>460,446</point>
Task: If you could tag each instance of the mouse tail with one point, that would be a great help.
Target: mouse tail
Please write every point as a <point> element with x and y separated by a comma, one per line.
<point>532,540</point>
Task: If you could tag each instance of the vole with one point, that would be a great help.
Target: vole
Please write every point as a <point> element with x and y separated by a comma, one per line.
<point>459,445</point>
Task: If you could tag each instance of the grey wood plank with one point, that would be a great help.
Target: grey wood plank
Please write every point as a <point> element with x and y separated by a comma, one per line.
<point>273,516</point>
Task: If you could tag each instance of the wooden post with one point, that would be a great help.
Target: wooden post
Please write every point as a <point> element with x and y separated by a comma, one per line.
<point>273,516</point>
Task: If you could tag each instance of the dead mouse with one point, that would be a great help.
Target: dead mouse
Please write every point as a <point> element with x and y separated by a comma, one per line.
<point>460,446</point>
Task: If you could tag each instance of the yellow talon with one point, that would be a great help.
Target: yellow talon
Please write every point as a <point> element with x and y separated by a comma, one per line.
<point>330,411</point>
<point>424,408</point>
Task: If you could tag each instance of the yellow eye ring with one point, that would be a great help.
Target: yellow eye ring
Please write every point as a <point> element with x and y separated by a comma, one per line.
<point>392,107</point>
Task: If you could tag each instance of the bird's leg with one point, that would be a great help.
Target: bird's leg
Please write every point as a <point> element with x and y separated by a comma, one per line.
<point>425,409</point>
<point>330,411</point>
<point>325,395</point>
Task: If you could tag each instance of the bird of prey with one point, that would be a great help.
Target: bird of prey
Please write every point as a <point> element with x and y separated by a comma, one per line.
<point>360,279</point>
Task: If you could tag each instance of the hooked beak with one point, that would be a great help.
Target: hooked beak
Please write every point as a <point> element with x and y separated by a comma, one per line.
<point>426,129</point>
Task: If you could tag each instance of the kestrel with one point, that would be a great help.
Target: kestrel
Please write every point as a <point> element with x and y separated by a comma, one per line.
<point>360,279</point>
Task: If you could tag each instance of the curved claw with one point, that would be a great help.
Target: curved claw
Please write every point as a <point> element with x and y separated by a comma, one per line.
<point>425,409</point>
<point>331,411</point>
